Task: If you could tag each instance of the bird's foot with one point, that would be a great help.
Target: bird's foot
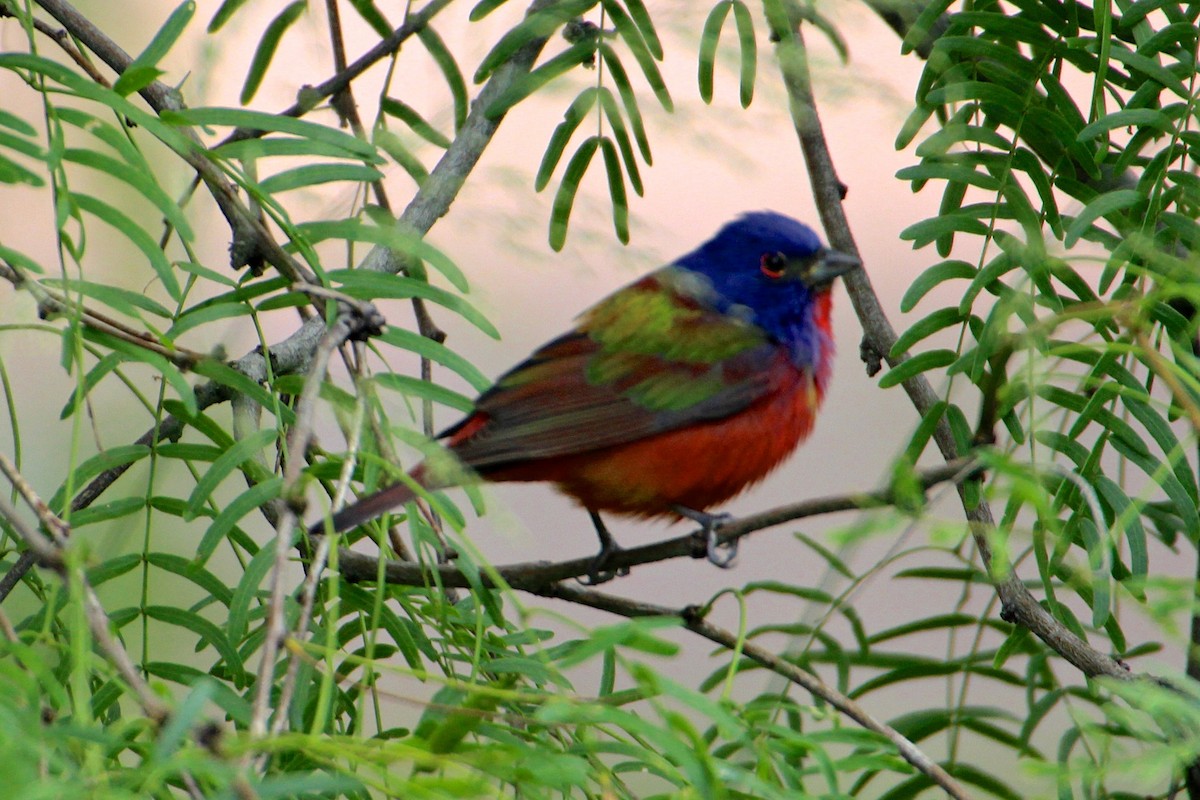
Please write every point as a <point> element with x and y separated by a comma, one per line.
<point>599,572</point>
<point>708,544</point>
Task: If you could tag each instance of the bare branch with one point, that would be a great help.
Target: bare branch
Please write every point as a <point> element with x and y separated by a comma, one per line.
<point>533,576</point>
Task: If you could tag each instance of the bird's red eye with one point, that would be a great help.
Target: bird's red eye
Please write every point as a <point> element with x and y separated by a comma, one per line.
<point>773,265</point>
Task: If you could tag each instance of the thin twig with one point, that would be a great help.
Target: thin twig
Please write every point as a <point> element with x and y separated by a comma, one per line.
<point>356,322</point>
<point>310,96</point>
<point>63,39</point>
<point>50,303</point>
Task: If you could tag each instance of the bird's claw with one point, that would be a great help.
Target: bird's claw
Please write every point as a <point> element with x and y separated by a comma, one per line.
<point>597,571</point>
<point>718,553</point>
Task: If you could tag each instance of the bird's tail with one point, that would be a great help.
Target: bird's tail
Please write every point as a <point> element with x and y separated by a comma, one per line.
<point>371,506</point>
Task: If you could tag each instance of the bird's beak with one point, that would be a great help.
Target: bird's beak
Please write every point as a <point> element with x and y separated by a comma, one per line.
<point>828,265</point>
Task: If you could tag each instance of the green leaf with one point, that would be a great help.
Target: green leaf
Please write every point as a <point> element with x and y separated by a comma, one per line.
<point>195,317</point>
<point>1127,118</point>
<point>207,632</point>
<point>315,174</point>
<point>628,99</point>
<point>927,326</point>
<point>373,17</point>
<point>922,362</point>
<point>113,568</point>
<point>222,373</point>
<point>576,55</point>
<point>710,38</point>
<point>369,285</point>
<point>616,189</point>
<point>106,512</point>
<point>13,173</point>
<point>483,8</point>
<point>276,146</point>
<point>608,103</point>
<point>267,47</point>
<point>1152,69</point>
<point>538,25</point>
<point>105,365</point>
<point>135,234</point>
<point>929,230</point>
<point>391,144</point>
<point>349,144</point>
<point>436,352</point>
<point>564,199</point>
<point>245,593</point>
<point>189,570</point>
<point>242,452</point>
<point>111,458</point>
<point>120,300</point>
<point>641,52</point>
<point>392,236</point>
<point>413,119</point>
<point>963,173</point>
<point>139,179</point>
<point>19,259</point>
<point>1107,203</point>
<point>224,14</point>
<point>1097,550</point>
<point>1127,518</point>
<point>134,77</point>
<point>575,114</point>
<point>450,71</point>
<point>749,42</point>
<point>170,373</point>
<point>932,277</point>
<point>86,88</point>
<point>10,120</point>
<point>424,390</point>
<point>223,524</point>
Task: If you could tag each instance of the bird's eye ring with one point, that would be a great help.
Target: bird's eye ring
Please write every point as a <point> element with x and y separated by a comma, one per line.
<point>773,265</point>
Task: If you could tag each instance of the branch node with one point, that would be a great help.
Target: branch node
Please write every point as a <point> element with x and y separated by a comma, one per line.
<point>870,356</point>
<point>245,250</point>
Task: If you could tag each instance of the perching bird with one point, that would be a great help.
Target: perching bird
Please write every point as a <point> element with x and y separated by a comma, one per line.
<point>669,396</point>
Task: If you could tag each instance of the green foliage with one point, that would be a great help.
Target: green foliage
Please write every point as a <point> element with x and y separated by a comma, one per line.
<point>1058,314</point>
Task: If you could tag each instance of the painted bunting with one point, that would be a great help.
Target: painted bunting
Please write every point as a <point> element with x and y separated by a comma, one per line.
<point>669,396</point>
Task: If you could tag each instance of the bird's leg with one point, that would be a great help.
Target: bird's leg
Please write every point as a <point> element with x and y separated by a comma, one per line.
<point>720,554</point>
<point>598,573</point>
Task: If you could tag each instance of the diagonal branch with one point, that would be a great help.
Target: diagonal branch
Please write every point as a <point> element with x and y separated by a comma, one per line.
<point>693,620</point>
<point>1018,603</point>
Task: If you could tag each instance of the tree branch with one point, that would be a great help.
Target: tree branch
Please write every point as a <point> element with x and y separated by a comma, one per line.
<point>1018,603</point>
<point>533,576</point>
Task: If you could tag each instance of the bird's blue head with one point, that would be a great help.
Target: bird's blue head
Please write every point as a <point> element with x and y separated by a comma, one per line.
<point>772,271</point>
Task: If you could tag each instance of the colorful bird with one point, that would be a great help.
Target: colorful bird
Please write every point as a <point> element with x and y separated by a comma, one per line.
<point>668,397</point>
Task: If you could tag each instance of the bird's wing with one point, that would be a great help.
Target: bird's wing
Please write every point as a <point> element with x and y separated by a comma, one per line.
<point>646,360</point>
